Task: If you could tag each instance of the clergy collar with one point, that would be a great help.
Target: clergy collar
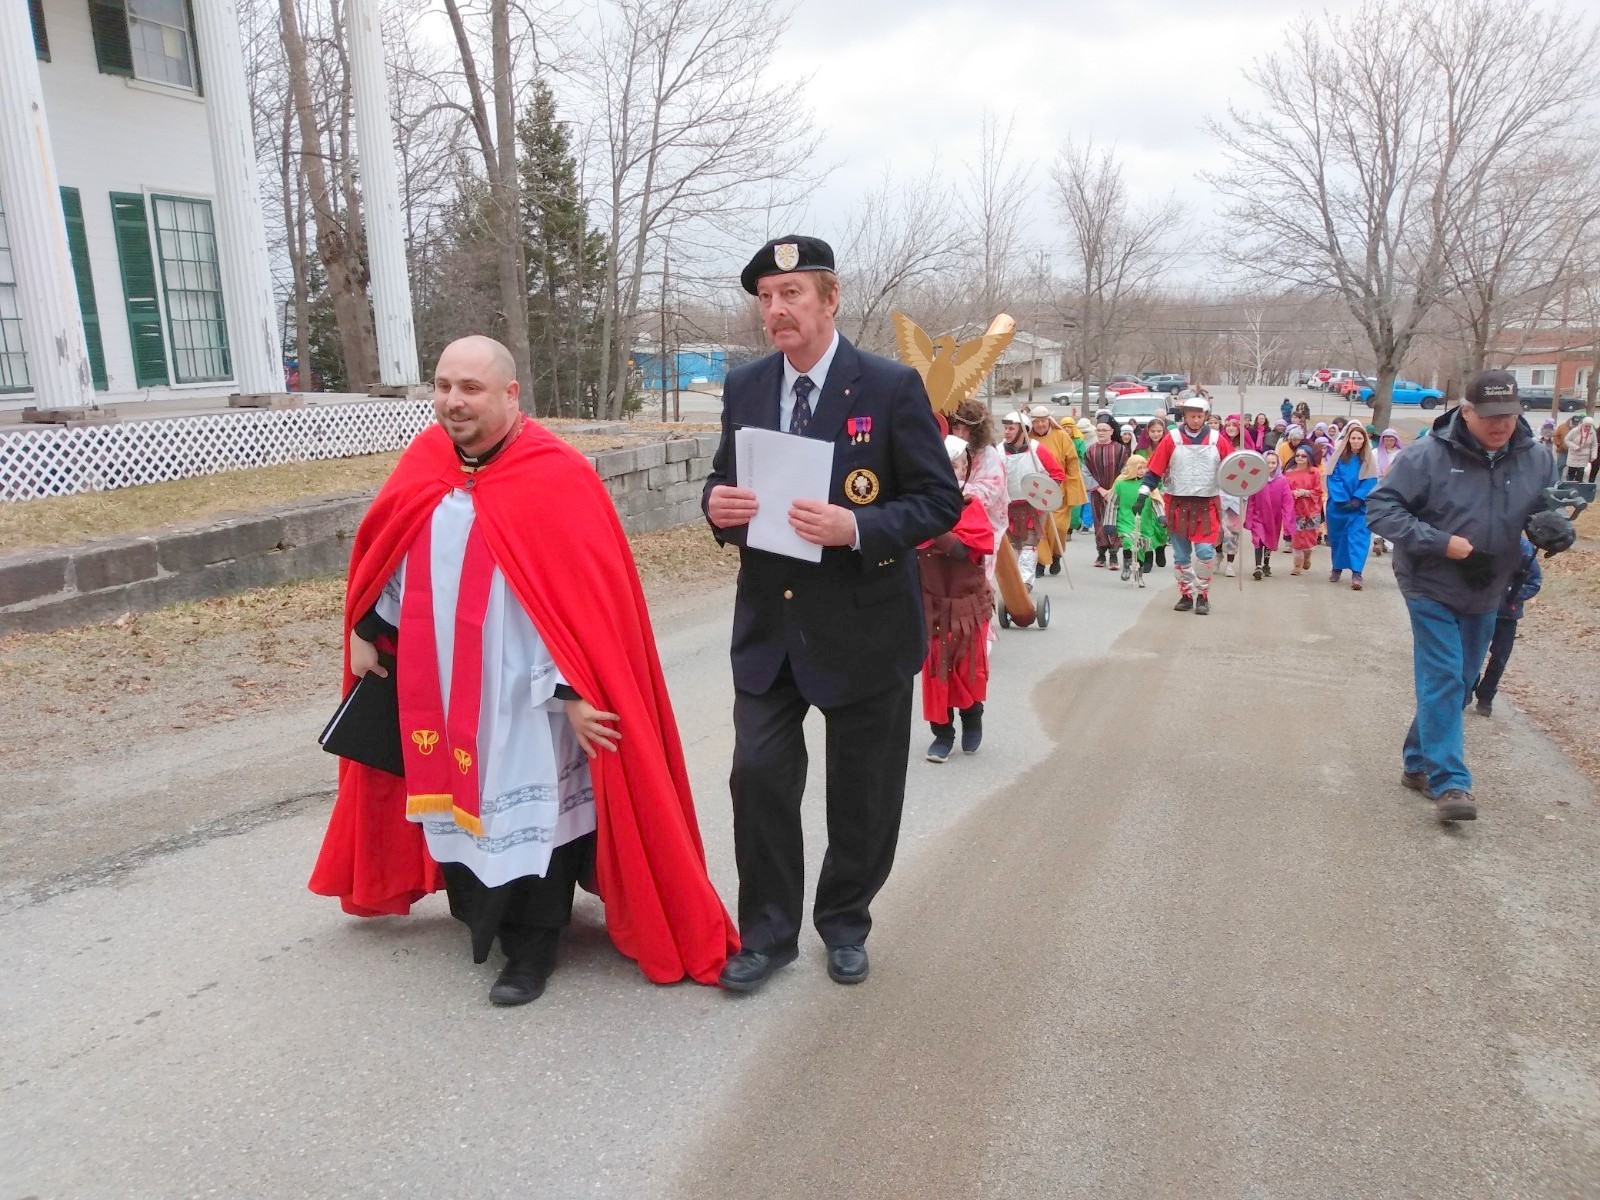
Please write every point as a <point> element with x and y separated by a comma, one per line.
<point>476,462</point>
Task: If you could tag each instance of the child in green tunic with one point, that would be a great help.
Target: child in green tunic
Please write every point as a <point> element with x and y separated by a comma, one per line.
<point>1147,525</point>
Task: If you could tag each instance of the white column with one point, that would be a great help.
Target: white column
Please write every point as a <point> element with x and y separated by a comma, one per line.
<point>52,326</point>
<point>241,231</point>
<point>380,198</point>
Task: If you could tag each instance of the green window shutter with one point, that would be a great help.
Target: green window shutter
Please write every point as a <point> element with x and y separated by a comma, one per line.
<point>78,244</point>
<point>194,48</point>
<point>139,289</point>
<point>41,39</point>
<point>113,50</point>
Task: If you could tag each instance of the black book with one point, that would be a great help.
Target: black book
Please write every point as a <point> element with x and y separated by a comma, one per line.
<point>366,728</point>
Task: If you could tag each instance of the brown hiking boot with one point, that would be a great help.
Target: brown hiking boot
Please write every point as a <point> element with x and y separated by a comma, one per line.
<point>1417,781</point>
<point>1454,804</point>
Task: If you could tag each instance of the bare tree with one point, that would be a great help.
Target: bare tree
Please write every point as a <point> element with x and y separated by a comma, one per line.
<point>899,237</point>
<point>1116,248</point>
<point>1511,259</point>
<point>1255,347</point>
<point>698,132</point>
<point>994,200</point>
<point>1378,130</point>
<point>337,242</point>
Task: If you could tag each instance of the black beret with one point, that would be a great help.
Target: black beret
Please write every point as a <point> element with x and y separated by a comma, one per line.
<point>785,254</point>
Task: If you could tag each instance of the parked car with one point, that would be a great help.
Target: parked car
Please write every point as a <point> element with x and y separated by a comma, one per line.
<point>1073,394</point>
<point>1124,387</point>
<point>1537,399</point>
<point>1407,392</point>
<point>1335,377</point>
<point>1136,408</point>
<point>1167,383</point>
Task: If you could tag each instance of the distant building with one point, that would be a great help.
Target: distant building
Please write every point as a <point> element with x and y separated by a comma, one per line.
<point>1031,359</point>
<point>133,259</point>
<point>685,366</point>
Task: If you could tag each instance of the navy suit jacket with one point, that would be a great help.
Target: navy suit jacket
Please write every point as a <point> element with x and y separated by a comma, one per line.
<point>850,625</point>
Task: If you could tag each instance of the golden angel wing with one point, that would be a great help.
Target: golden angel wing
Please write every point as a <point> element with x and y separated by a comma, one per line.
<point>914,346</point>
<point>976,357</point>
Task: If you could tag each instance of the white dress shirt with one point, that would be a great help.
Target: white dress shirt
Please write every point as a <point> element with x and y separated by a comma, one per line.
<point>819,376</point>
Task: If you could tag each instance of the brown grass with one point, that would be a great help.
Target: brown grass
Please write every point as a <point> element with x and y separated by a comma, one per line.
<point>214,660</point>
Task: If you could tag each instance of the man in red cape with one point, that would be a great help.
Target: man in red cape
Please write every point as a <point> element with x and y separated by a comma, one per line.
<point>552,532</point>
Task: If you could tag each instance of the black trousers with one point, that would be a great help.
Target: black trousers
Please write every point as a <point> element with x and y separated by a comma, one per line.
<point>1505,636</point>
<point>527,914</point>
<point>867,747</point>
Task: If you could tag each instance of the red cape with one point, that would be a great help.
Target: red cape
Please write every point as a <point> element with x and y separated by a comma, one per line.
<point>556,539</point>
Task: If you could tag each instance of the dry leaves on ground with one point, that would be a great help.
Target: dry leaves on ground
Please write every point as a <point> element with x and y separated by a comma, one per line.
<point>195,664</point>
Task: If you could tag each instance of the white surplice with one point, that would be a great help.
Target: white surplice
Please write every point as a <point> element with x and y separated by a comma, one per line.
<point>533,777</point>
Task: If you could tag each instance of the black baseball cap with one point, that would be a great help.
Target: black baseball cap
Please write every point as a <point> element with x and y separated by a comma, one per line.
<point>782,255</point>
<point>1494,393</point>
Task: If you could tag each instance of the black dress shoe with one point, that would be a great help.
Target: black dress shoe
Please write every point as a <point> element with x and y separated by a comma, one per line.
<point>749,969</point>
<point>847,964</point>
<point>519,983</point>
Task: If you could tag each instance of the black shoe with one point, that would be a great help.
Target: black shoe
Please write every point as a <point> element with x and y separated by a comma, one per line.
<point>847,964</point>
<point>1055,567</point>
<point>1184,604</point>
<point>972,728</point>
<point>1417,781</point>
<point>1202,605</point>
<point>1161,557</point>
<point>944,741</point>
<point>519,983</point>
<point>748,970</point>
<point>1256,574</point>
<point>1266,569</point>
<point>1486,708</point>
<point>1453,804</point>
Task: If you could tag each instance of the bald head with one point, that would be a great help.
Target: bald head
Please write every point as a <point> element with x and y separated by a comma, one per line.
<point>475,392</point>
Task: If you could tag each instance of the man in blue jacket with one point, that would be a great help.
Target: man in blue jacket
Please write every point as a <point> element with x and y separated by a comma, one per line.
<point>844,634</point>
<point>1455,505</point>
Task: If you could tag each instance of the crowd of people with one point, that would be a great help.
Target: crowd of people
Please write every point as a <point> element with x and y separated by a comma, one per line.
<point>528,746</point>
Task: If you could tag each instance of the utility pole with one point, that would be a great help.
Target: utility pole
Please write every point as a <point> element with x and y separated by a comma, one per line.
<point>664,269</point>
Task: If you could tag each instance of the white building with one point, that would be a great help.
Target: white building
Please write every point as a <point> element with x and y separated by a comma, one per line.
<point>133,260</point>
<point>1030,358</point>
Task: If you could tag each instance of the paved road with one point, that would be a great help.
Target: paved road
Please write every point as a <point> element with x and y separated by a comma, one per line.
<point>1122,955</point>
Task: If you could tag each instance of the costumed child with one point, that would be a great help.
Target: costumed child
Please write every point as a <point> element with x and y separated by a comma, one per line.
<point>1352,477</point>
<point>1523,588</point>
<point>1269,517</point>
<point>1147,524</point>
<point>1306,486</point>
<point>957,605</point>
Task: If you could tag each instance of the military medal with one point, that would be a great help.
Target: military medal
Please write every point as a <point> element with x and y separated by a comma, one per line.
<point>861,486</point>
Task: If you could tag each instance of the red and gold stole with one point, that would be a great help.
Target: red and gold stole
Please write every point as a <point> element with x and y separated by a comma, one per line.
<point>441,752</point>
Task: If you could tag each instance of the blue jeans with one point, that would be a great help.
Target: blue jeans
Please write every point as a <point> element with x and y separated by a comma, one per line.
<point>1447,648</point>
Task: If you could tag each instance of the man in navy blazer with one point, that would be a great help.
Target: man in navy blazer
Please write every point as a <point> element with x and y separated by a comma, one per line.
<point>844,634</point>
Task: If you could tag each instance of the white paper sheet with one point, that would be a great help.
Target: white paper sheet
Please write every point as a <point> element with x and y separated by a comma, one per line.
<point>781,468</point>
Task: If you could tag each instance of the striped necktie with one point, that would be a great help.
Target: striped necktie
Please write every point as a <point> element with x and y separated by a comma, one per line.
<point>800,418</point>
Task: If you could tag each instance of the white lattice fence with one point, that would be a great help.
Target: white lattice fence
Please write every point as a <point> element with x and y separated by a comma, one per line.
<point>53,461</point>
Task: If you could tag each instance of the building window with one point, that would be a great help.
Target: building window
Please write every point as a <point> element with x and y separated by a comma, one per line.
<point>186,240</point>
<point>158,31</point>
<point>13,359</point>
<point>1539,377</point>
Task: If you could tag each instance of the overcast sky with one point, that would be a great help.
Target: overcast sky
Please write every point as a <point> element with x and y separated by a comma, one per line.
<point>895,80</point>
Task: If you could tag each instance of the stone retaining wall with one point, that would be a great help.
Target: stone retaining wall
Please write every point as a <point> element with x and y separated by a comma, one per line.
<point>655,485</point>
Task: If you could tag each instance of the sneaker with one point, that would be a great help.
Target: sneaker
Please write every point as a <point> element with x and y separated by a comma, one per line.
<point>1161,557</point>
<point>1127,567</point>
<point>1485,708</point>
<point>1355,582</point>
<point>944,741</point>
<point>1295,570</point>
<point>1055,566</point>
<point>1202,605</point>
<point>1266,569</point>
<point>1184,604</point>
<point>1256,574</point>
<point>1333,576</point>
<point>1417,781</point>
<point>1453,804</point>
<point>972,728</point>
<point>1228,574</point>
<point>1099,562</point>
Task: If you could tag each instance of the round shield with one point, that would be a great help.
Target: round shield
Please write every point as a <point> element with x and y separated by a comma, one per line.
<point>1041,491</point>
<point>1243,473</point>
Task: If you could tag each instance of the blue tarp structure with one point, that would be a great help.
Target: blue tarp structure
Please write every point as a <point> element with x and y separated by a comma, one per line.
<point>694,364</point>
